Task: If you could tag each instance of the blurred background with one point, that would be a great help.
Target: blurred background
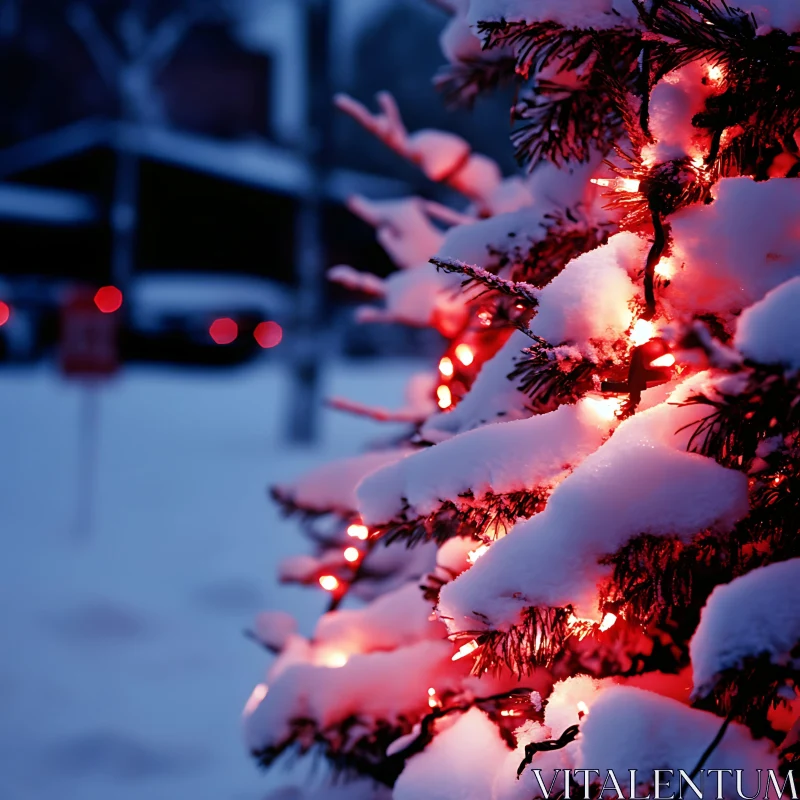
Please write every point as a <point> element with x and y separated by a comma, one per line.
<point>172,187</point>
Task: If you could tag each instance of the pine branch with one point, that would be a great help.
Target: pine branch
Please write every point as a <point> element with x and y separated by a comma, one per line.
<point>410,415</point>
<point>660,580</point>
<point>568,235</point>
<point>567,118</point>
<point>699,29</point>
<point>533,642</point>
<point>522,292</point>
<point>540,44</point>
<point>348,753</point>
<point>756,68</point>
<point>563,124</point>
<point>550,378</point>
<point>498,512</point>
<point>462,83</point>
<point>488,704</point>
<point>748,693</point>
<point>736,424</point>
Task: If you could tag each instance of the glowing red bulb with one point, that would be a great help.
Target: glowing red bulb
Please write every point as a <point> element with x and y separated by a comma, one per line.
<point>268,334</point>
<point>223,330</point>
<point>358,531</point>
<point>464,354</point>
<point>5,313</point>
<point>352,554</point>
<point>108,299</point>
<point>667,360</point>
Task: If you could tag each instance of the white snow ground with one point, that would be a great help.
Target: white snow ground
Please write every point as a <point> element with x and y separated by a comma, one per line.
<point>123,668</point>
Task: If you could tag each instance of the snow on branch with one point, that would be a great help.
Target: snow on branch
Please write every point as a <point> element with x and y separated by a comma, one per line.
<point>343,709</point>
<point>364,282</point>
<point>396,618</point>
<point>443,157</point>
<point>405,227</point>
<point>641,481</point>
<point>409,414</point>
<point>331,487</point>
<point>523,292</point>
<point>768,332</point>
<point>501,458</point>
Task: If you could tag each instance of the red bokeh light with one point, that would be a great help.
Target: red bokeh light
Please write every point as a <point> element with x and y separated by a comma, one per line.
<point>108,299</point>
<point>223,330</point>
<point>268,334</point>
<point>5,313</point>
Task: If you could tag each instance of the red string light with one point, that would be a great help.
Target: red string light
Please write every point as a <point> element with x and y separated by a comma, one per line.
<point>108,299</point>
<point>223,330</point>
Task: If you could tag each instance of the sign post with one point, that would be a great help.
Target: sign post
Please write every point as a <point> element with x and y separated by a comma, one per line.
<point>89,353</point>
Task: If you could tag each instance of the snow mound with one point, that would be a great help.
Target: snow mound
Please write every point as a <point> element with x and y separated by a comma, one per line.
<point>500,458</point>
<point>769,331</point>
<point>591,297</point>
<point>492,396</point>
<point>398,617</point>
<point>459,764</point>
<point>329,695</point>
<point>757,613</point>
<point>641,481</point>
<point>735,250</point>
<point>629,728</point>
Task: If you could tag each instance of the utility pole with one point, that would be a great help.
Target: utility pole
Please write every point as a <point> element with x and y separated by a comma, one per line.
<point>309,226</point>
<point>124,210</point>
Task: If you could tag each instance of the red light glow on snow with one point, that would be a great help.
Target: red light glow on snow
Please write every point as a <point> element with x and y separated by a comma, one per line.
<point>583,709</point>
<point>333,659</point>
<point>667,360</point>
<point>604,407</point>
<point>358,531</point>
<point>223,330</point>
<point>643,331</point>
<point>475,554</point>
<point>464,354</point>
<point>446,367</point>
<point>352,554</point>
<point>268,334</point>
<point>444,397</point>
<point>5,313</point>
<point>108,299</point>
<point>329,583</point>
<point>665,269</point>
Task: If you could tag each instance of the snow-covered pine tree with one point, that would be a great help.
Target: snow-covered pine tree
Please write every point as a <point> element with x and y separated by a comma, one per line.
<point>587,556</point>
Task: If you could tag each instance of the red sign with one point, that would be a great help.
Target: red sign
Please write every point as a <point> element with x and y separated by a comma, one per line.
<point>89,342</point>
